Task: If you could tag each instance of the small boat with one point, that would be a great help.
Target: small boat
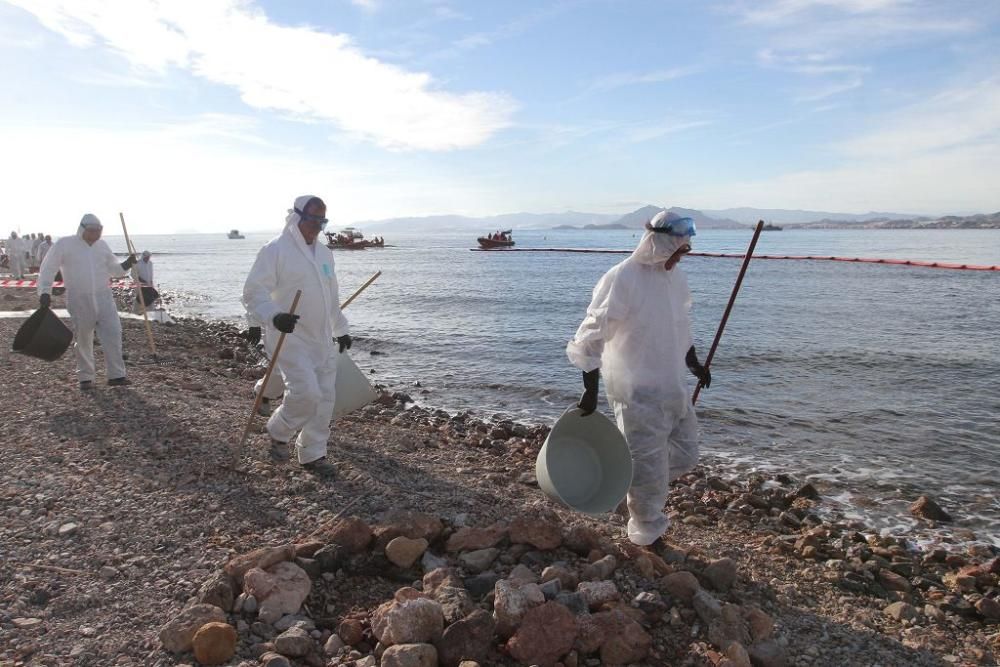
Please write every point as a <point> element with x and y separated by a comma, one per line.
<point>351,239</point>
<point>352,232</point>
<point>771,228</point>
<point>235,234</point>
<point>496,241</point>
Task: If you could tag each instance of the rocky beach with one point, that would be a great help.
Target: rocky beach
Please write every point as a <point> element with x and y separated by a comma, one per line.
<point>133,531</point>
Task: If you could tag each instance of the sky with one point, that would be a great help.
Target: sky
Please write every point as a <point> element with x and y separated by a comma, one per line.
<point>206,115</point>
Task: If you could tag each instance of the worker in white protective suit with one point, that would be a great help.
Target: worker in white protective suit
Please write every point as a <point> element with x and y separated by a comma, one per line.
<point>638,332</point>
<point>316,333</point>
<point>43,249</point>
<point>15,257</point>
<point>87,265</point>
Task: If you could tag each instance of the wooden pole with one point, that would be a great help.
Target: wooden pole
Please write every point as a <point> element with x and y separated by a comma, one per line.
<point>729,306</point>
<point>360,290</point>
<point>267,375</point>
<point>135,277</point>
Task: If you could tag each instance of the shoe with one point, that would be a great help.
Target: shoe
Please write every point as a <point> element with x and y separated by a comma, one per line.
<point>86,385</point>
<point>320,467</point>
<point>278,451</point>
<point>265,408</point>
<point>119,382</point>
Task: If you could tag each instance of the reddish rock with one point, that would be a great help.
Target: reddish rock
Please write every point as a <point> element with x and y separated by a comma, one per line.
<point>582,539</point>
<point>279,590</point>
<point>351,631</point>
<point>468,639</point>
<point>214,643</point>
<point>567,578</point>
<point>473,539</point>
<point>761,625</point>
<point>442,576</point>
<point>511,602</point>
<point>537,532</point>
<point>682,585</point>
<point>351,533</point>
<point>768,654</point>
<point>259,558</point>
<point>404,552</point>
<point>628,644</point>
<point>405,523</point>
<point>600,569</point>
<point>900,611</point>
<point>893,582</point>
<point>546,634</point>
<point>989,608</point>
<point>308,548</point>
<point>926,508</point>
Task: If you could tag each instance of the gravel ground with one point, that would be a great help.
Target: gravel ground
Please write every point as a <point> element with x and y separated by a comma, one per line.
<point>115,506</point>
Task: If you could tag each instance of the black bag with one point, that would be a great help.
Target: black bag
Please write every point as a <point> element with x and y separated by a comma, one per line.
<point>43,336</point>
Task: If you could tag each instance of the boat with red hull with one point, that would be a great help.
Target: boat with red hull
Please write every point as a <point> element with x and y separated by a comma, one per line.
<point>496,241</point>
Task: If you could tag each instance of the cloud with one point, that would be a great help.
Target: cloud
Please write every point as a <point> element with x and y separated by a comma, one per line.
<point>936,156</point>
<point>366,5</point>
<point>622,79</point>
<point>296,70</point>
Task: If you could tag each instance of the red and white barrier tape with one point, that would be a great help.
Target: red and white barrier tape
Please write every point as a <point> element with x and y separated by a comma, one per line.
<point>34,283</point>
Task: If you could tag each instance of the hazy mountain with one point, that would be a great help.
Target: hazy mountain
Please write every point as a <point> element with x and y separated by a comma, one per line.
<point>781,216</point>
<point>489,223</point>
<point>979,221</point>
<point>638,218</point>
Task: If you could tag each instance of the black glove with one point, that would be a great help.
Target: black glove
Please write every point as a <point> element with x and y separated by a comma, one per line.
<point>588,402</point>
<point>253,335</point>
<point>344,342</point>
<point>699,371</point>
<point>285,322</point>
<point>129,262</point>
<point>44,300</point>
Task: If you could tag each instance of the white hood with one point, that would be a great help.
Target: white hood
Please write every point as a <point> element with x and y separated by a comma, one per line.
<point>658,247</point>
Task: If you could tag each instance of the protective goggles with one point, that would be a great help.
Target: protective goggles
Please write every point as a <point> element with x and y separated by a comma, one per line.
<point>679,227</point>
<point>315,219</point>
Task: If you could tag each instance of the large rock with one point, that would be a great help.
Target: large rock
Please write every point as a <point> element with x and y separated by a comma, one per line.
<point>470,539</point>
<point>900,611</point>
<point>728,627</point>
<point>272,659</point>
<point>468,639</point>
<point>178,633</point>
<point>456,603</point>
<point>260,559</point>
<point>768,654</point>
<point>682,585</point>
<point>537,532</point>
<point>566,577</point>
<point>893,582</point>
<point>600,569</point>
<point>405,523</point>
<point>761,625</point>
<point>408,621</point>
<point>721,574</point>
<point>545,635</point>
<point>294,642</point>
<point>707,607</point>
<point>511,602</point>
<point>582,539</point>
<point>214,643</point>
<point>628,644</point>
<point>404,552</point>
<point>279,590</point>
<point>410,655</point>
<point>926,508</point>
<point>351,533</point>
<point>988,608</point>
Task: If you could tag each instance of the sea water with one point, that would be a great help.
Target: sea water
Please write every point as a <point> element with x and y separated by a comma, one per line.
<point>876,382</point>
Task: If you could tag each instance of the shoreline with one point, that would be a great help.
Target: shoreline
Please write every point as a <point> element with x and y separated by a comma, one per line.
<point>119,505</point>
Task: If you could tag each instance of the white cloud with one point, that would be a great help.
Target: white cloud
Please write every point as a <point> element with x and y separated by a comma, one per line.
<point>298,70</point>
<point>366,5</point>
<point>935,156</point>
<point>622,79</point>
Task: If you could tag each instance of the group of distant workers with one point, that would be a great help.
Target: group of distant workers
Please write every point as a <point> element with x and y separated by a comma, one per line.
<point>20,255</point>
<point>499,236</point>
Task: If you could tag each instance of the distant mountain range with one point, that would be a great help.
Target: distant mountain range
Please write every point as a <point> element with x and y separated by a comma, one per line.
<point>731,218</point>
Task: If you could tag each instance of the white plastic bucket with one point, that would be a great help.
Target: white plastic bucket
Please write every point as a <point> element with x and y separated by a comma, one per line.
<point>353,391</point>
<point>585,463</point>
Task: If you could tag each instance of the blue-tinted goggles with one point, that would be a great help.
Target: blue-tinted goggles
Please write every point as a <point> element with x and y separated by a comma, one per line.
<point>313,219</point>
<point>679,227</point>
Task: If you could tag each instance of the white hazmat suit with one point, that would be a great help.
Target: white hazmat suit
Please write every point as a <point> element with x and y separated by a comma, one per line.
<point>87,271</point>
<point>308,359</point>
<point>15,256</point>
<point>637,331</point>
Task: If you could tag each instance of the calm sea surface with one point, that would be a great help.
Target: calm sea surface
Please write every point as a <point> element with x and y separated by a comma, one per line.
<point>877,382</point>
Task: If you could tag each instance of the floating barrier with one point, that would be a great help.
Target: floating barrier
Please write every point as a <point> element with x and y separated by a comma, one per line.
<point>859,260</point>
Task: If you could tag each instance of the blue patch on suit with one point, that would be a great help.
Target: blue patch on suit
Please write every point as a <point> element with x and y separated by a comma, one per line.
<point>326,271</point>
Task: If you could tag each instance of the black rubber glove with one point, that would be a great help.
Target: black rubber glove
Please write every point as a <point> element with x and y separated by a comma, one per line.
<point>44,300</point>
<point>285,322</point>
<point>253,335</point>
<point>344,342</point>
<point>129,262</point>
<point>699,371</point>
<point>588,402</point>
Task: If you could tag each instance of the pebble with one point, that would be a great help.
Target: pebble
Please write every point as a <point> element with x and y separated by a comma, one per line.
<point>333,645</point>
<point>597,593</point>
<point>478,560</point>
<point>67,529</point>
<point>214,643</point>
<point>721,574</point>
<point>294,643</point>
<point>900,611</point>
